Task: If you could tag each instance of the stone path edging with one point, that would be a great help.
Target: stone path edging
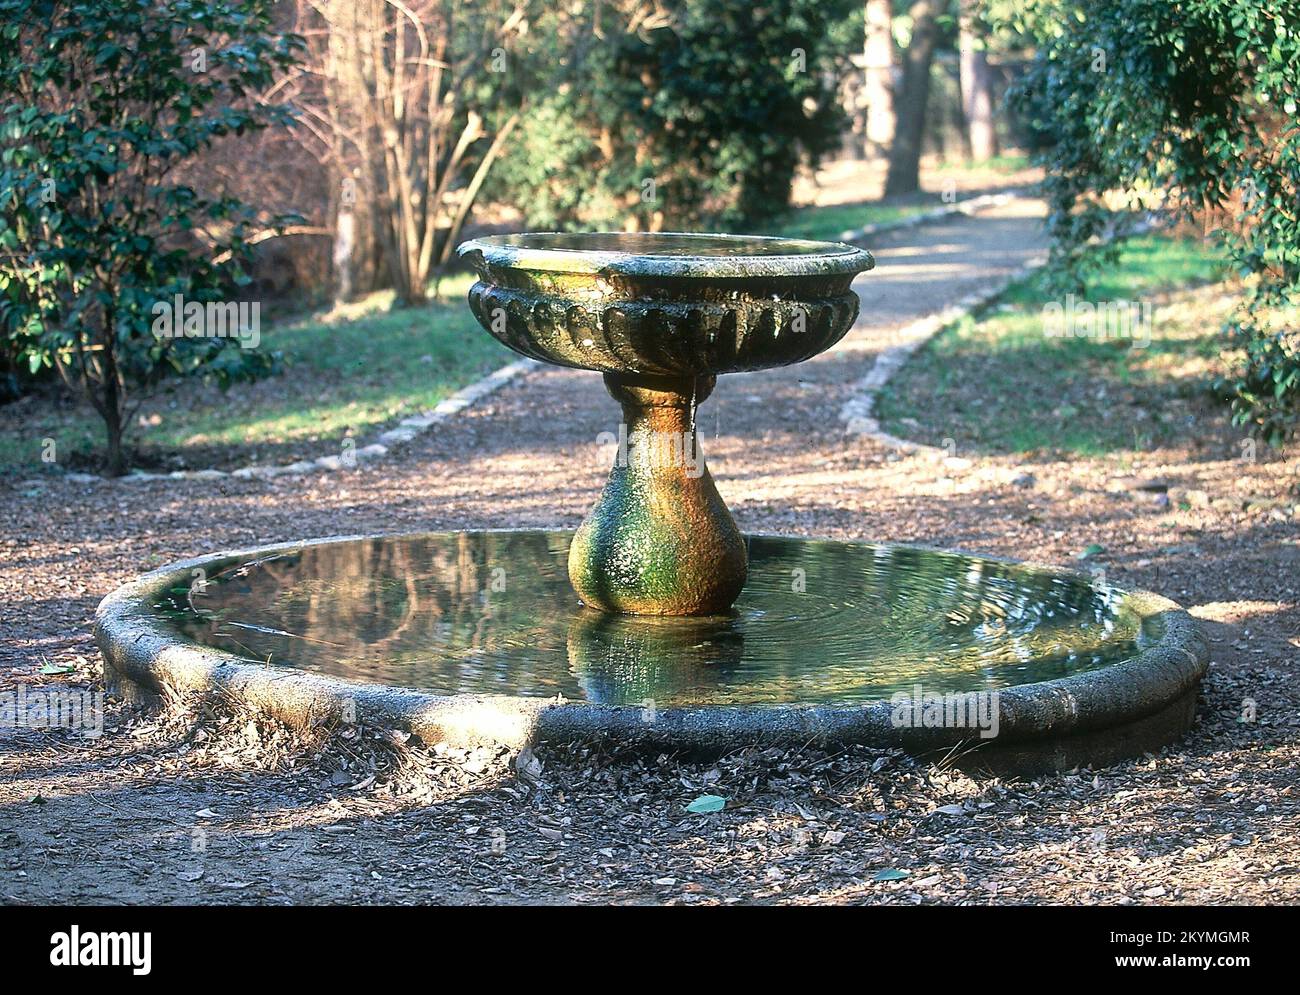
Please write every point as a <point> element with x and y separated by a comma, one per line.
<point>406,430</point>
<point>858,413</point>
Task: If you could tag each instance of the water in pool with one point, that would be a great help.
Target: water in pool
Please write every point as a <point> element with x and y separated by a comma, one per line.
<point>493,613</point>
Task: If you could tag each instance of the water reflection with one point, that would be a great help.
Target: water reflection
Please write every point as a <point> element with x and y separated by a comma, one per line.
<point>494,613</point>
<point>628,658</point>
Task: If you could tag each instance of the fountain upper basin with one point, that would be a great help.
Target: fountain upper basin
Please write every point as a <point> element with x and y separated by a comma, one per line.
<point>664,303</point>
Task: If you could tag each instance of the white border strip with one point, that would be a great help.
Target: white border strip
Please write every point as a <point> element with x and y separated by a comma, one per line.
<point>406,430</point>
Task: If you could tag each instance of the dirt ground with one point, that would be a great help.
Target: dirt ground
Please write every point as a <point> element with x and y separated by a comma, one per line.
<point>219,806</point>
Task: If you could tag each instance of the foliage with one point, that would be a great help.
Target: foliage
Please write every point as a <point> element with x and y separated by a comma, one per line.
<point>100,103</point>
<point>680,113</point>
<point>1194,102</point>
<point>348,371</point>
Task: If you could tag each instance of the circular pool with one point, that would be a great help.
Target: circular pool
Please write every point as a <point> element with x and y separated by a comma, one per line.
<point>472,637</point>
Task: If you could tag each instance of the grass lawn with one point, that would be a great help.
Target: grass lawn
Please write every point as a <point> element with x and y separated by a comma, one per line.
<point>997,382</point>
<point>346,372</point>
<point>831,221</point>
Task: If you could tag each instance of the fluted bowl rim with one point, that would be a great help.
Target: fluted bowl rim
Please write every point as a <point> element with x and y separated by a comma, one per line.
<point>528,251</point>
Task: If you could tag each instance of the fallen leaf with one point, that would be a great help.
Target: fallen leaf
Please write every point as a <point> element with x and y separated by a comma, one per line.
<point>891,874</point>
<point>707,803</point>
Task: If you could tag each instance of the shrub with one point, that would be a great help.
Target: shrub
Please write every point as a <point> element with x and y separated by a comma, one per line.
<point>1196,101</point>
<point>688,114</point>
<point>100,103</point>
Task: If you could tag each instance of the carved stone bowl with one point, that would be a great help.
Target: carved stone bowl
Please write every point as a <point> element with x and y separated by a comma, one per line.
<point>664,304</point>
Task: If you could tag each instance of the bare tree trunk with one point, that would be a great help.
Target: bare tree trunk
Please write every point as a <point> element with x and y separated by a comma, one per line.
<point>345,237</point>
<point>976,91</point>
<point>398,99</point>
<point>878,84</point>
<point>114,397</point>
<point>358,245</point>
<point>905,154</point>
<point>115,456</point>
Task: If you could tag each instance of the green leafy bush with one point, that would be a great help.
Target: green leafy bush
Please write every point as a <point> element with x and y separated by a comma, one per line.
<point>102,104</point>
<point>1196,102</point>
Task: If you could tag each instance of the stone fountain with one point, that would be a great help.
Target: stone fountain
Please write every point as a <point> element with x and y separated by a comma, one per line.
<point>662,316</point>
<point>659,621</point>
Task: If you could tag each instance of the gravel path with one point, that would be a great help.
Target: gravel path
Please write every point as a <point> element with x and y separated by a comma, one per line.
<point>217,807</point>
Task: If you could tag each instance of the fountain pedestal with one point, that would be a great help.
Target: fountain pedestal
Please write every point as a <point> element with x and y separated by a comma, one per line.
<point>660,540</point>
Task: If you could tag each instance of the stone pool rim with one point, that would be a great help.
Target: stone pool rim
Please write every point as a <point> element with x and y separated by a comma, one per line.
<point>1092,718</point>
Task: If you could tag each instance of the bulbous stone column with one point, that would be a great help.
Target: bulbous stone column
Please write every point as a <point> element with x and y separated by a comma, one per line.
<point>660,540</point>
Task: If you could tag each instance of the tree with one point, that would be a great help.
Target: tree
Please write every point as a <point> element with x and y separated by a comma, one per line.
<point>976,85</point>
<point>101,105</point>
<point>904,175</point>
<point>410,103</point>
<point>679,112</point>
<point>1197,102</point>
<point>878,82</point>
